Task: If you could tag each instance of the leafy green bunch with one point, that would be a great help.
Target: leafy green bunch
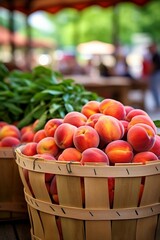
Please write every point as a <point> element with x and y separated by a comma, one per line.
<point>40,94</point>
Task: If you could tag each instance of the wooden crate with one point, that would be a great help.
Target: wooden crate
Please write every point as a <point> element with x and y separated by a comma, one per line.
<point>12,202</point>
<point>88,214</point>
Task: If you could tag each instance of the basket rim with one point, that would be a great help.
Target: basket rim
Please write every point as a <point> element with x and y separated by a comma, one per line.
<point>90,170</point>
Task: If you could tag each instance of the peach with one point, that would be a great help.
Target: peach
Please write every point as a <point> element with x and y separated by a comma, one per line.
<point>112,108</point>
<point>51,126</point>
<point>119,151</point>
<point>28,136</point>
<point>134,113</point>
<point>75,118</point>
<point>142,119</point>
<point>128,109</point>
<point>141,137</point>
<point>91,121</point>
<point>156,146</point>
<point>90,108</point>
<point>26,129</point>
<point>64,135</point>
<point>46,156</point>
<point>109,128</point>
<point>3,123</point>
<point>85,137</point>
<point>53,190</point>
<point>10,142</point>
<point>70,154</point>
<point>29,149</point>
<point>39,135</point>
<point>144,157</point>
<point>9,130</point>
<point>125,125</point>
<point>47,145</point>
<point>94,155</point>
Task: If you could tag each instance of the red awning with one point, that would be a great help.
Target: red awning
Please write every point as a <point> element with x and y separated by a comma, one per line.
<point>53,6</point>
<point>21,41</point>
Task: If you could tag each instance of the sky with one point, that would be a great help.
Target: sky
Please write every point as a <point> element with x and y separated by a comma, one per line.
<point>39,21</point>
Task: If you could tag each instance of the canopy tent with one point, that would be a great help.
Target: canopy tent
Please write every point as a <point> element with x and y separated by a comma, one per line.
<point>53,6</point>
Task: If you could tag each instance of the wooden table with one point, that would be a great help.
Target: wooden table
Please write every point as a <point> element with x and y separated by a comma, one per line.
<point>113,87</point>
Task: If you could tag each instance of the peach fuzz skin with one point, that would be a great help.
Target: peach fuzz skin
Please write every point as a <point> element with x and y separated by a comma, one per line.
<point>143,157</point>
<point>142,119</point>
<point>28,136</point>
<point>134,113</point>
<point>112,108</point>
<point>156,147</point>
<point>119,151</point>
<point>70,154</point>
<point>85,137</point>
<point>51,126</point>
<point>94,155</point>
<point>109,128</point>
<point>75,118</point>
<point>64,135</point>
<point>91,121</point>
<point>47,145</point>
<point>9,130</point>
<point>90,108</point>
<point>141,137</point>
<point>10,142</point>
<point>39,135</point>
<point>30,149</point>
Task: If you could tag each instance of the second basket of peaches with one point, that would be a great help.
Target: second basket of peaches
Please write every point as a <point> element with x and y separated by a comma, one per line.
<point>103,132</point>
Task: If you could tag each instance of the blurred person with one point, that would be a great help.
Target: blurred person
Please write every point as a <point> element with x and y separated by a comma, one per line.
<point>121,66</point>
<point>154,79</point>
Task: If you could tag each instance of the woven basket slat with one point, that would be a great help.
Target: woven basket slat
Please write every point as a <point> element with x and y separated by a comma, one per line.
<point>150,194</point>
<point>126,195</point>
<point>35,222</point>
<point>96,195</point>
<point>69,193</point>
<point>37,181</point>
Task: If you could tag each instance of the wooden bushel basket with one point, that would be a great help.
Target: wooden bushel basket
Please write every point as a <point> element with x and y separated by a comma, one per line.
<point>91,217</point>
<point>12,202</point>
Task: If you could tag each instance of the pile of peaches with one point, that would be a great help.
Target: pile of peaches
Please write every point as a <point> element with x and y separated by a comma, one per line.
<point>105,131</point>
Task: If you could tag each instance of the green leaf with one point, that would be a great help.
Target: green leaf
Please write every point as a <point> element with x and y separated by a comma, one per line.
<point>157,123</point>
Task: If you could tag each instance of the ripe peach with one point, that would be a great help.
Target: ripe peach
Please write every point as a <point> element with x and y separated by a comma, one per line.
<point>125,125</point>
<point>29,149</point>
<point>75,118</point>
<point>94,155</point>
<point>47,145</point>
<point>91,121</point>
<point>109,128</point>
<point>9,130</point>
<point>28,136</point>
<point>85,137</point>
<point>53,190</point>
<point>142,119</point>
<point>112,108</point>
<point>141,137</point>
<point>2,123</point>
<point>128,109</point>
<point>10,142</point>
<point>26,129</point>
<point>70,154</point>
<point>90,108</point>
<point>51,126</point>
<point>156,146</point>
<point>39,135</point>
<point>119,151</point>
<point>134,113</point>
<point>46,156</point>
<point>144,157</point>
<point>64,135</point>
